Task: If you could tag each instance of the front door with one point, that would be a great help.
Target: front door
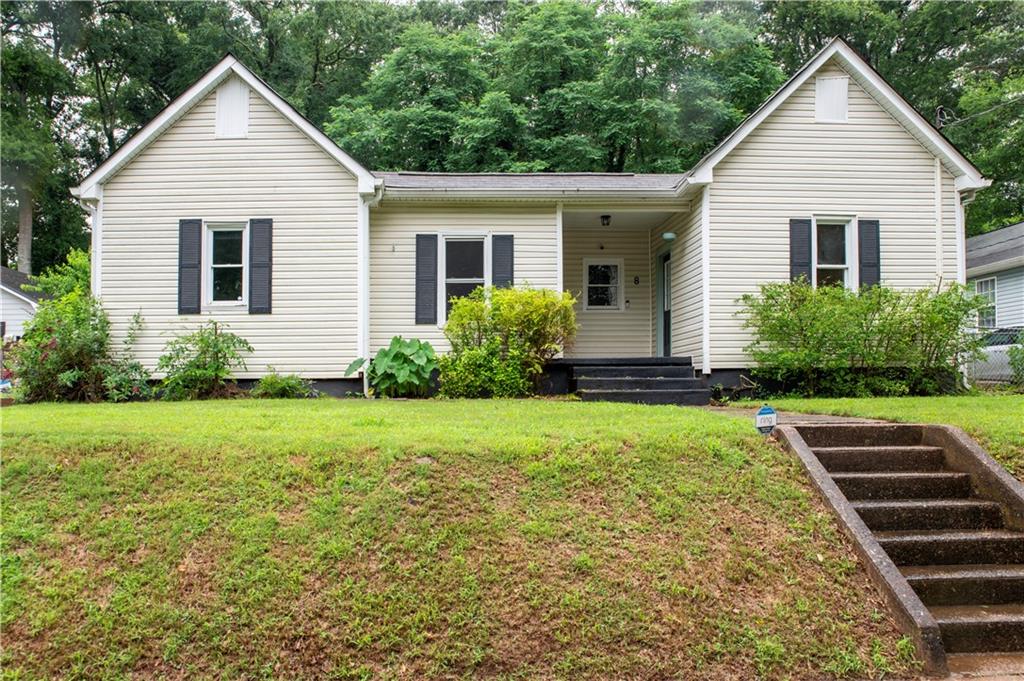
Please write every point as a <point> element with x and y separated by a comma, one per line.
<point>665,284</point>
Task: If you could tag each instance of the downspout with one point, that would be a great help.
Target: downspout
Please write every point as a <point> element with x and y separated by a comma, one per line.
<point>94,206</point>
<point>366,201</point>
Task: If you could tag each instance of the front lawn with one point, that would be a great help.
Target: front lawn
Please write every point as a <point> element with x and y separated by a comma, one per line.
<point>358,539</point>
<point>997,421</point>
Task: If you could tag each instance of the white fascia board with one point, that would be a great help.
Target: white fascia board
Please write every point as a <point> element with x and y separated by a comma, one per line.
<point>967,176</point>
<point>1007,264</point>
<point>19,295</point>
<point>185,101</point>
<point>394,194</point>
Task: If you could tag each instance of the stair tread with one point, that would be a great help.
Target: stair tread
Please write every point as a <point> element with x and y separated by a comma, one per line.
<point>978,571</point>
<point>902,475</point>
<point>923,503</point>
<point>870,448</point>
<point>645,390</point>
<point>986,664</point>
<point>957,535</point>
<point>1005,612</point>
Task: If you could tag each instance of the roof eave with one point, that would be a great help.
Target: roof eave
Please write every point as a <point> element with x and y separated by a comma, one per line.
<point>512,193</point>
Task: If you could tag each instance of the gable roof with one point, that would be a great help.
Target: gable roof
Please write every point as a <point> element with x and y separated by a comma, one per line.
<point>225,68</point>
<point>12,282</point>
<point>968,177</point>
<point>996,251</point>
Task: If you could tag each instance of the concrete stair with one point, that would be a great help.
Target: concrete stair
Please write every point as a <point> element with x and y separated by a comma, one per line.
<point>950,539</point>
<point>641,381</point>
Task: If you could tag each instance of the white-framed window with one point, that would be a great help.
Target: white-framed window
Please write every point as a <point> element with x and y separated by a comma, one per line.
<point>226,254</point>
<point>603,281</point>
<point>834,251</point>
<point>464,266</point>
<point>986,288</point>
<point>831,99</point>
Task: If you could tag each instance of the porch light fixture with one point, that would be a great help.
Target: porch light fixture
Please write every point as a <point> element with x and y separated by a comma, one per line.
<point>606,220</point>
<point>668,236</point>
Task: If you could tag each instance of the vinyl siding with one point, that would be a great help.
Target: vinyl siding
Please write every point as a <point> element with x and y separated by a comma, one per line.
<point>1009,296</point>
<point>686,283</point>
<point>611,333</point>
<point>15,313</point>
<point>393,230</point>
<point>278,173</point>
<point>791,166</point>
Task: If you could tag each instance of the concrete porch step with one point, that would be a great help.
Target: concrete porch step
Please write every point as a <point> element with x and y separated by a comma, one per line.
<point>952,547</point>
<point>903,485</point>
<point>626,371</point>
<point>638,383</point>
<point>680,397</point>
<point>966,584</point>
<point>930,514</point>
<point>977,628</point>
<point>880,458</point>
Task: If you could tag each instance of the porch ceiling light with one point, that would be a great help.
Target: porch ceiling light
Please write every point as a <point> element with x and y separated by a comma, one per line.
<point>668,236</point>
<point>606,220</point>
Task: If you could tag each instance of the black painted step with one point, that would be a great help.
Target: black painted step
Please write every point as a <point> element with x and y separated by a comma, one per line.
<point>966,584</point>
<point>658,383</point>
<point>953,547</point>
<point>981,628</point>
<point>880,458</point>
<point>682,397</point>
<point>633,372</point>
<point>903,485</point>
<point>930,514</point>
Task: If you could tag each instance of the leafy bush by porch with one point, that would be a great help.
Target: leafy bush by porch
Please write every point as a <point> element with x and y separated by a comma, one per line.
<point>502,337</point>
<point>877,341</point>
<point>199,365</point>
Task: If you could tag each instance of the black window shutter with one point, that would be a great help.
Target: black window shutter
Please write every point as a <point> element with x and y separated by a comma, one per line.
<point>800,249</point>
<point>870,253</point>
<point>502,265</point>
<point>190,266</point>
<point>261,262</point>
<point>426,278</point>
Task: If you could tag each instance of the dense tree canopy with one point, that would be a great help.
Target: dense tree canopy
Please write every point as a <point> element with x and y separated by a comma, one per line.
<point>604,85</point>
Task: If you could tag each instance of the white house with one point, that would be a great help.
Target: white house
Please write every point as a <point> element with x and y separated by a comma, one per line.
<point>995,266</point>
<point>17,305</point>
<point>230,205</point>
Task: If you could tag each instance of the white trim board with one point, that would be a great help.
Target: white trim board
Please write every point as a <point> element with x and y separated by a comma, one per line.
<point>224,69</point>
<point>967,176</point>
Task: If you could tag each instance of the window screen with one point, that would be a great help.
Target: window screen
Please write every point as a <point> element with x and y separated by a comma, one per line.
<point>603,286</point>
<point>226,265</point>
<point>463,268</point>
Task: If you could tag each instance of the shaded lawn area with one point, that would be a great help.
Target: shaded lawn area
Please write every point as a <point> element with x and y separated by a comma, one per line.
<point>996,421</point>
<point>359,539</point>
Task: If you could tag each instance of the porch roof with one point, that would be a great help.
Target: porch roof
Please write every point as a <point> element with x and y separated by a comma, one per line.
<point>531,185</point>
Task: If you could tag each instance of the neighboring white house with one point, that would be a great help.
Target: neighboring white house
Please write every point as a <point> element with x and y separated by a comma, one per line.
<point>995,266</point>
<point>230,205</point>
<point>17,305</point>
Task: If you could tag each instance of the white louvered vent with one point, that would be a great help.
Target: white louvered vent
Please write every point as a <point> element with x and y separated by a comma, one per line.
<point>831,99</point>
<point>233,110</point>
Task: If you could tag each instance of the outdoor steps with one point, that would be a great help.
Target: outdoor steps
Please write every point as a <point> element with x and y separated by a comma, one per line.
<point>960,549</point>
<point>642,381</point>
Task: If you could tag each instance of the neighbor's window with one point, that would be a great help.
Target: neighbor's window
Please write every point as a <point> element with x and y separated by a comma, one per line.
<point>831,96</point>
<point>831,262</point>
<point>226,250</point>
<point>604,284</point>
<point>986,288</point>
<point>463,268</point>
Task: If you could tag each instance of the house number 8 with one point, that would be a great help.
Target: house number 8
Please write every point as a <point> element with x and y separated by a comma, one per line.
<point>636,281</point>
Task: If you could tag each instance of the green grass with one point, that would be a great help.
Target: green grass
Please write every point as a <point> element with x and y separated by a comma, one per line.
<point>996,421</point>
<point>358,539</point>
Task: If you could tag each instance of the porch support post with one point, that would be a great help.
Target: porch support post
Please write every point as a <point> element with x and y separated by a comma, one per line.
<point>705,266</point>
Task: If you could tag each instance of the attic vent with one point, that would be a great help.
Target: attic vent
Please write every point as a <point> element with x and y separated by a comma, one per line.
<point>831,99</point>
<point>233,110</point>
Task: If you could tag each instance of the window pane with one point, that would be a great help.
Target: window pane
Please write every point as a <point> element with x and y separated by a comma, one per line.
<point>227,283</point>
<point>828,277</point>
<point>987,318</point>
<point>603,296</point>
<point>464,259</point>
<point>457,291</point>
<point>832,244</point>
<point>602,274</point>
<point>227,247</point>
<point>986,288</point>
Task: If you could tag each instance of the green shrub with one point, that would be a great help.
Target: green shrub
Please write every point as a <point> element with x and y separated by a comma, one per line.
<point>403,369</point>
<point>125,379</point>
<point>485,371</point>
<point>64,351</point>
<point>199,365</point>
<point>282,386</point>
<point>70,275</point>
<point>505,335</point>
<point>1016,356</point>
<point>877,341</point>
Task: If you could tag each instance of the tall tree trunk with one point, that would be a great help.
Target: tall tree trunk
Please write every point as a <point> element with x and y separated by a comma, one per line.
<point>24,229</point>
